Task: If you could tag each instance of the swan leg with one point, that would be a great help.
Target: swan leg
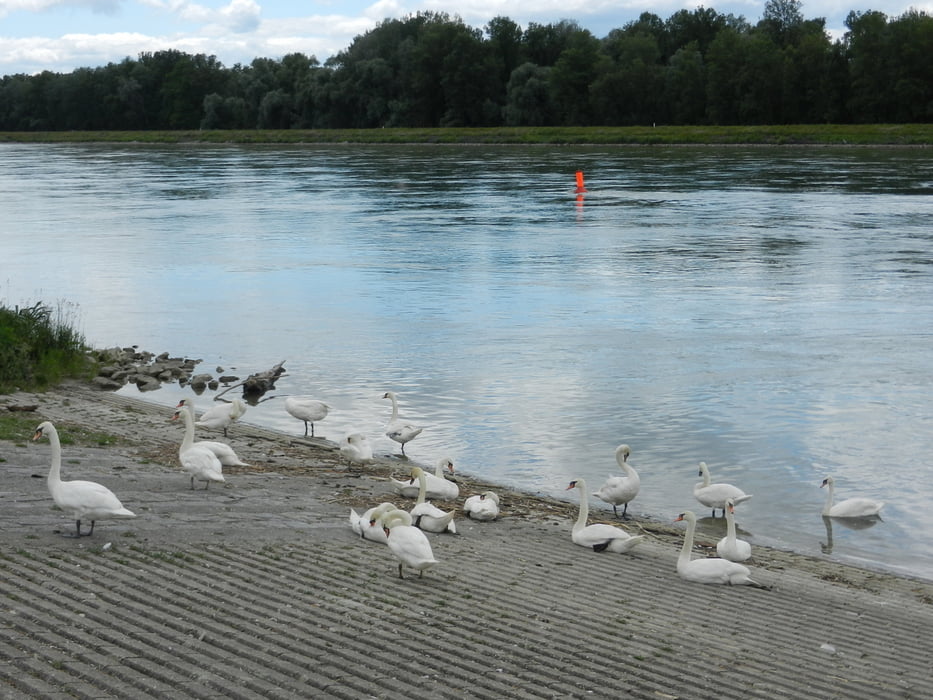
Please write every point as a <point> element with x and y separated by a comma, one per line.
<point>400,570</point>
<point>312,430</point>
<point>306,429</point>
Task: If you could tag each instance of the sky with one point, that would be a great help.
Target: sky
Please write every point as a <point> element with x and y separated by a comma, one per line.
<point>62,35</point>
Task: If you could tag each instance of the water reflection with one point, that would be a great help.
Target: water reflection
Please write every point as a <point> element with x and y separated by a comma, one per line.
<point>849,523</point>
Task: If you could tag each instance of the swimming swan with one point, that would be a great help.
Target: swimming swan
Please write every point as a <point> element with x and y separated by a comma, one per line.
<point>729,547</point>
<point>600,537</point>
<point>710,570</point>
<point>425,514</point>
<point>81,499</point>
<point>619,490</point>
<point>396,428</point>
<point>851,507</point>
<point>409,544</point>
<point>226,454</point>
<point>714,495</point>
<point>306,409</point>
<point>484,506</point>
<point>436,484</point>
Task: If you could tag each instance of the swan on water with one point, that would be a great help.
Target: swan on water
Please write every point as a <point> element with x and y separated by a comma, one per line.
<point>82,500</point>
<point>408,543</point>
<point>226,454</point>
<point>619,490</point>
<point>483,506</point>
<point>730,547</point>
<point>425,514</point>
<point>709,570</point>
<point>599,536</point>
<point>397,429</point>
<point>714,495</point>
<point>220,417</point>
<point>356,449</point>
<point>851,507</point>
<point>306,409</point>
<point>436,484</point>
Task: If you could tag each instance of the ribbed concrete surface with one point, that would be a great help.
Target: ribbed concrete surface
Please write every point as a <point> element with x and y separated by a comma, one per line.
<point>261,590</point>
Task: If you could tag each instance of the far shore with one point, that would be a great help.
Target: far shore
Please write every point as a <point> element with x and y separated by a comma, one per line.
<point>914,135</point>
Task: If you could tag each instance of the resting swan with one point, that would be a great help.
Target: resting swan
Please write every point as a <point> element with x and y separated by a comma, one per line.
<point>428,516</point>
<point>436,484</point>
<point>369,525</point>
<point>851,507</point>
<point>356,449</point>
<point>220,417</point>
<point>714,495</point>
<point>306,409</point>
<point>729,547</point>
<point>710,570</point>
<point>409,544</point>
<point>599,536</point>
<point>223,451</point>
<point>396,428</point>
<point>484,506</point>
<point>80,499</point>
<point>619,490</point>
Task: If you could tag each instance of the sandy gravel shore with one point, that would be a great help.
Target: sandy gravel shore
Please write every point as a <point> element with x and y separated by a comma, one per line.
<point>259,589</point>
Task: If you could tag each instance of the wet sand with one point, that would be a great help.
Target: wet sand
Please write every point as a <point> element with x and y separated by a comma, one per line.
<point>258,588</point>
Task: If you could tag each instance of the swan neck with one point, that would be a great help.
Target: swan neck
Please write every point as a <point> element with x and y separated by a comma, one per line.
<point>730,526</point>
<point>188,440</point>
<point>55,473</point>
<point>829,499</point>
<point>394,408</point>
<point>584,507</point>
<point>688,543</point>
<point>422,488</point>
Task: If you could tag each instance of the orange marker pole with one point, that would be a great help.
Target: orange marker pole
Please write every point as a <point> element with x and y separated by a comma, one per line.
<point>580,187</point>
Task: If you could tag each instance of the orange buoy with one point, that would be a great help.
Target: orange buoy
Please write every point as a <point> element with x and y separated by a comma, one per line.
<point>580,187</point>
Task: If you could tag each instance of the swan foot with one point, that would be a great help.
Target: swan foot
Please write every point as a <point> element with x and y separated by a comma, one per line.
<point>78,533</point>
<point>601,547</point>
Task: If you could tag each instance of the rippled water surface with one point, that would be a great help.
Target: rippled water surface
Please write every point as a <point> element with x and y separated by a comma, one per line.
<point>768,311</point>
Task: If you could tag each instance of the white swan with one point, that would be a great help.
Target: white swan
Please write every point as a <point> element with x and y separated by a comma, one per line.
<point>221,417</point>
<point>619,490</point>
<point>600,537</point>
<point>436,484</point>
<point>306,409</point>
<point>730,547</point>
<point>483,506</point>
<point>425,514</point>
<point>81,499</point>
<point>226,454</point>
<point>714,495</point>
<point>710,570</point>
<point>356,449</point>
<point>397,429</point>
<point>369,525</point>
<point>409,544</point>
<point>851,507</point>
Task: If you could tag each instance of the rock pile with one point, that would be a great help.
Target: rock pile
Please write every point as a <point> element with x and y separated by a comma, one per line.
<point>148,371</point>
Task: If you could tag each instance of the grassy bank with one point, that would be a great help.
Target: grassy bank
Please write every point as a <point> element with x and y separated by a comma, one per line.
<point>39,347</point>
<point>807,134</point>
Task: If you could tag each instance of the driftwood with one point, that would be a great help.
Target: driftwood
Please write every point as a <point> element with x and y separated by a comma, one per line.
<point>255,385</point>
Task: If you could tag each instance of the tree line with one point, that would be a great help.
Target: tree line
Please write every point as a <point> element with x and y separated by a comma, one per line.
<point>431,70</point>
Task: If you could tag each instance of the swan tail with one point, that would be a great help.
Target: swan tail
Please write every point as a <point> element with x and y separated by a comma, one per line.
<point>741,499</point>
<point>124,513</point>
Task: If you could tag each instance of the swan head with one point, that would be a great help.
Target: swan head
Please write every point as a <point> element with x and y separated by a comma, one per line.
<point>447,464</point>
<point>491,495</point>
<point>389,395</point>
<point>828,481</point>
<point>42,429</point>
<point>730,505</point>
<point>703,469</point>
<point>416,473</point>
<point>623,452</point>
<point>576,484</point>
<point>687,515</point>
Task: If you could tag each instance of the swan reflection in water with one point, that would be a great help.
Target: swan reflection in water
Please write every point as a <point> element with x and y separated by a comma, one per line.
<point>851,523</point>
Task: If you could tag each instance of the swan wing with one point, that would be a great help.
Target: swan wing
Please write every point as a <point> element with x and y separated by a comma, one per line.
<point>856,508</point>
<point>89,499</point>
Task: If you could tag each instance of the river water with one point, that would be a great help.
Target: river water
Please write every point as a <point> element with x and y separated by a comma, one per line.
<point>766,310</point>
